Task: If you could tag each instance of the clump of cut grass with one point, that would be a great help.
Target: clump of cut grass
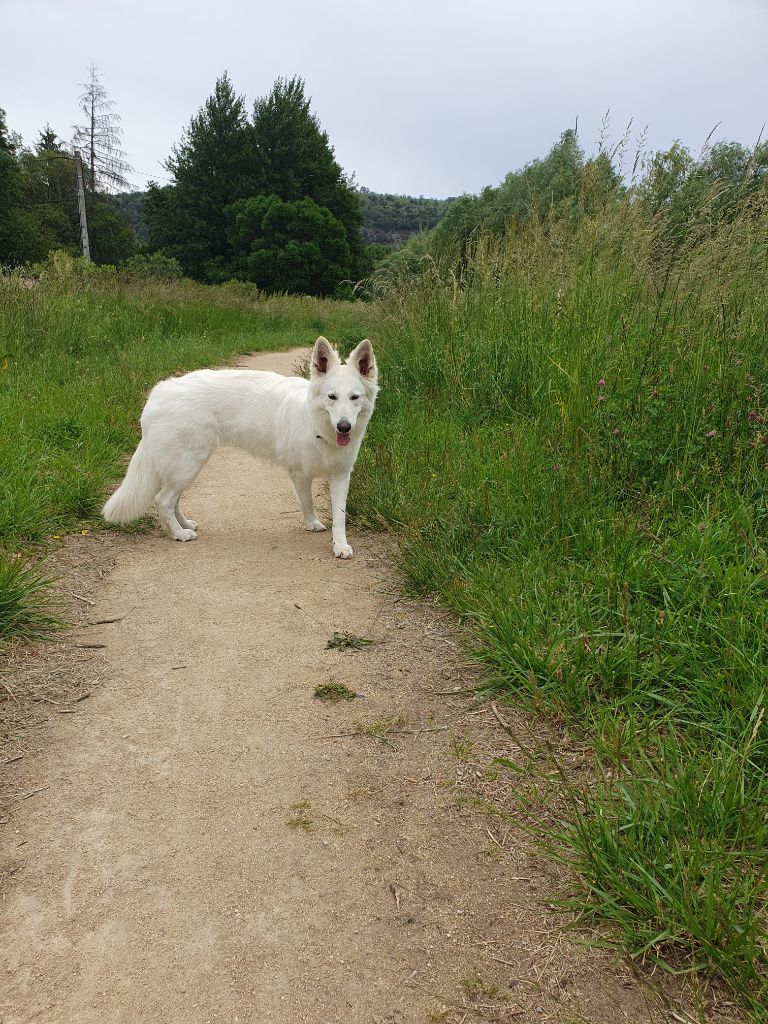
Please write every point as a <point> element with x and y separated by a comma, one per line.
<point>348,642</point>
<point>379,728</point>
<point>27,610</point>
<point>462,749</point>
<point>333,693</point>
<point>301,816</point>
<point>476,987</point>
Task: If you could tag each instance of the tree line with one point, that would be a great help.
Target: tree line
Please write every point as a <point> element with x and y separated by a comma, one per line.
<point>684,194</point>
<point>256,196</point>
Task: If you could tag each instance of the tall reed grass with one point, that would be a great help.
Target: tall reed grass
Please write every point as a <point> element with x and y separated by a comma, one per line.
<point>571,442</point>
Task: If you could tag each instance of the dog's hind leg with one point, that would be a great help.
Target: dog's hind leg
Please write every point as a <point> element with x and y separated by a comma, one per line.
<point>167,501</point>
<point>180,471</point>
<point>184,521</point>
<point>302,485</point>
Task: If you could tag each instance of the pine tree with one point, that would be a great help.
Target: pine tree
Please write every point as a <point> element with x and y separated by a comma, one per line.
<point>210,168</point>
<point>99,137</point>
<point>295,160</point>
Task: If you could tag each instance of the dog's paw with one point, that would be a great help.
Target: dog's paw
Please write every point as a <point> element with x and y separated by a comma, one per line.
<point>315,526</point>
<point>184,535</point>
<point>342,550</point>
<point>192,525</point>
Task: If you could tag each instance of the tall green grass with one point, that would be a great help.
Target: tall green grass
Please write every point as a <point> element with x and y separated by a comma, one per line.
<point>79,348</point>
<point>571,442</point>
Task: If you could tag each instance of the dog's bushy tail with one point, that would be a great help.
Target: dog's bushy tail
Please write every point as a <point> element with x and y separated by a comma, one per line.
<point>134,494</point>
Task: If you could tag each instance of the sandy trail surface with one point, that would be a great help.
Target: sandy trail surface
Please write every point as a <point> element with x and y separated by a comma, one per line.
<point>203,845</point>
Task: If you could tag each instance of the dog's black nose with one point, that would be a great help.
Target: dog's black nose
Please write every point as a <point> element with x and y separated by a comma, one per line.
<point>343,426</point>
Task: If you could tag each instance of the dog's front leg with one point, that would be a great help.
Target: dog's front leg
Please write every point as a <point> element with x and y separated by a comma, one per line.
<point>302,485</point>
<point>339,486</point>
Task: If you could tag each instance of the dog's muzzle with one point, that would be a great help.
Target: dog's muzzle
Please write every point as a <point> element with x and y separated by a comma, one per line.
<point>343,428</point>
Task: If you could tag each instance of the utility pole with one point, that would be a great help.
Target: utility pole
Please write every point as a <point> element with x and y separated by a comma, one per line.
<point>81,206</point>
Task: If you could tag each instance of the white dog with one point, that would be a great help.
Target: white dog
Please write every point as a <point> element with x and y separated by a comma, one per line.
<point>312,428</point>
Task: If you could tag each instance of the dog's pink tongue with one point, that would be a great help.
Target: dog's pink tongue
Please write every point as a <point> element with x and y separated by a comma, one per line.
<point>342,439</point>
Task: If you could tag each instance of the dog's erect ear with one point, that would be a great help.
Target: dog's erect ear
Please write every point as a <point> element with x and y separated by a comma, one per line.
<point>363,360</point>
<point>324,357</point>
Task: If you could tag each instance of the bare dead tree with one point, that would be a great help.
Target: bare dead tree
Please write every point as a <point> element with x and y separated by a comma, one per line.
<point>99,138</point>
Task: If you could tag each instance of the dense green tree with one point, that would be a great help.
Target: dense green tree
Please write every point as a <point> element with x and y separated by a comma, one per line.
<point>294,246</point>
<point>49,183</point>
<point>21,236</point>
<point>171,232</point>
<point>10,192</point>
<point>560,184</point>
<point>212,167</point>
<point>295,160</point>
<point>283,154</point>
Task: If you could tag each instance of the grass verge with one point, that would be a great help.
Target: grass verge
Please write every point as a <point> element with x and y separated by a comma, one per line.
<point>571,445</point>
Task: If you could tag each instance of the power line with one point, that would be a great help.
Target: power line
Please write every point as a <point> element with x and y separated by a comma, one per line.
<point>51,155</point>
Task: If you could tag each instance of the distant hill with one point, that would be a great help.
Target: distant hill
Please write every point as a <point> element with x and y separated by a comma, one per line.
<point>131,206</point>
<point>387,219</point>
<point>392,220</point>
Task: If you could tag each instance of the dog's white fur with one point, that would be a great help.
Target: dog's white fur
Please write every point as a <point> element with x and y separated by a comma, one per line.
<point>287,420</point>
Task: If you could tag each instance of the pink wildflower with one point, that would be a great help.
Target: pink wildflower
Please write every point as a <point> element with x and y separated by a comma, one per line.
<point>711,433</point>
<point>601,382</point>
<point>615,431</point>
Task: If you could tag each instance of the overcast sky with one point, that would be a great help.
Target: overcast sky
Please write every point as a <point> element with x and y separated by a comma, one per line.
<point>426,97</point>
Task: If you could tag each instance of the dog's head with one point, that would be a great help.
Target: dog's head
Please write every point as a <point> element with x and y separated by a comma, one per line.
<point>345,391</point>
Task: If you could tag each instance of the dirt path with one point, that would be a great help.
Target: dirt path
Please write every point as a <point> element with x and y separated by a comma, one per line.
<point>203,852</point>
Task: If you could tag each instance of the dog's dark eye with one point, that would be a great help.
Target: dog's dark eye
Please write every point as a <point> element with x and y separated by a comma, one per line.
<point>332,397</point>
<point>354,397</point>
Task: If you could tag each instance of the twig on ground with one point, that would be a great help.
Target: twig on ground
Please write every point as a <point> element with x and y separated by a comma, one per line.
<point>451,693</point>
<point>495,840</point>
<point>78,597</point>
<point>104,622</point>
<point>26,796</point>
<point>9,691</point>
